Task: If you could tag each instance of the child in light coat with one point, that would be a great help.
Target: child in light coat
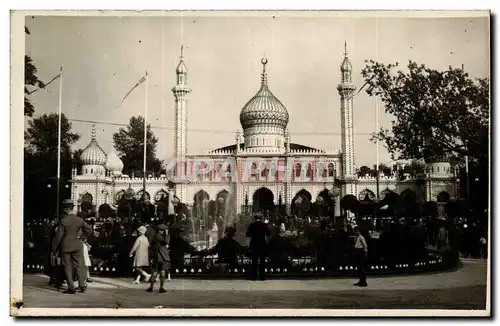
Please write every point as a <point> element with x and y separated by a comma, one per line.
<point>140,252</point>
<point>86,257</point>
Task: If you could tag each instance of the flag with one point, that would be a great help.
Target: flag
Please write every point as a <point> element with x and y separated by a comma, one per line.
<point>45,85</point>
<point>142,80</point>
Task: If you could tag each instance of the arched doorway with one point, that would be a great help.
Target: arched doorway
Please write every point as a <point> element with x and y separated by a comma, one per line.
<point>263,201</point>
<point>301,203</point>
<point>200,203</point>
<point>409,201</point>
<point>366,194</point>
<point>322,203</point>
<point>390,203</point>
<point>367,203</point>
<point>442,198</point>
<point>141,195</point>
<point>86,203</point>
<point>161,199</point>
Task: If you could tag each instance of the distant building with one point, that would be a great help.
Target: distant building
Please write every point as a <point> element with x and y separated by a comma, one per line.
<point>262,169</point>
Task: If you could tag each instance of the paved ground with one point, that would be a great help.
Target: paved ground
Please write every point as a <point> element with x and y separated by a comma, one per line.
<point>461,289</point>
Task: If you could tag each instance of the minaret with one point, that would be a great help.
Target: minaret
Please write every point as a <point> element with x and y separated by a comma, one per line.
<point>288,139</point>
<point>181,92</point>
<point>238,141</point>
<point>346,90</point>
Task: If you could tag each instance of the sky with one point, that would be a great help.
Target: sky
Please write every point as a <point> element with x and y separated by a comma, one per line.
<point>103,57</point>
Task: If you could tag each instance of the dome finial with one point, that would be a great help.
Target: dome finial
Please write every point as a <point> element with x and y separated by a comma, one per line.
<point>264,73</point>
<point>345,48</point>
<point>182,51</point>
<point>93,134</point>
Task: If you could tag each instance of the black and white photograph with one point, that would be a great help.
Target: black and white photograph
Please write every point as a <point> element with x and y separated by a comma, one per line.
<point>250,163</point>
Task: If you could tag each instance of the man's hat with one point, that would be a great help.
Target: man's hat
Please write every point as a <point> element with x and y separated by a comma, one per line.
<point>68,203</point>
<point>162,227</point>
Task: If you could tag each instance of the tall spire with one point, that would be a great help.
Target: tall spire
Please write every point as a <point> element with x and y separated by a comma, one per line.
<point>93,134</point>
<point>181,70</point>
<point>264,73</point>
<point>346,67</point>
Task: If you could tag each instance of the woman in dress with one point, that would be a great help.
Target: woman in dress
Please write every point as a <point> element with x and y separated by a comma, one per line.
<point>140,252</point>
<point>160,257</point>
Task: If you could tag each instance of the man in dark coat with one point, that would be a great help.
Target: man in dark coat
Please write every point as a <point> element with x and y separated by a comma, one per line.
<point>258,233</point>
<point>67,240</point>
<point>160,260</point>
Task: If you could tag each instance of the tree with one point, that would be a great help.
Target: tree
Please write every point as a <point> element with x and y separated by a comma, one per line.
<point>383,169</point>
<point>364,170</point>
<point>439,115</point>
<point>30,80</point>
<point>129,143</point>
<point>40,164</point>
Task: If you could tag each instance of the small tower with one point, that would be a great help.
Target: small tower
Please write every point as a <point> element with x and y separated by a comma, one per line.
<point>238,141</point>
<point>346,90</point>
<point>288,139</point>
<point>181,93</point>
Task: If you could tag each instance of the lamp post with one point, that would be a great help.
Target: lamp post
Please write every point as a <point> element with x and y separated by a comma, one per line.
<point>58,189</point>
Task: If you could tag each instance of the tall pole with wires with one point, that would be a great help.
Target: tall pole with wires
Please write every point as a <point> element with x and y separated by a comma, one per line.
<point>142,80</point>
<point>145,137</point>
<point>377,127</point>
<point>59,123</point>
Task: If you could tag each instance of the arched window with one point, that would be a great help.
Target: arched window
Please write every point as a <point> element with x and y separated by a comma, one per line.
<point>298,167</point>
<point>330,170</point>
<point>274,171</point>
<point>264,172</point>
<point>309,172</point>
<point>253,170</point>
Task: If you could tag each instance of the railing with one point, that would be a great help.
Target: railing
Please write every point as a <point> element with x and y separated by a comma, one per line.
<point>304,266</point>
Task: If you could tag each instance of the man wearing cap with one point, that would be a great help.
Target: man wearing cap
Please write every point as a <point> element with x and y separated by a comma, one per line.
<point>68,242</point>
<point>258,233</point>
<point>161,258</point>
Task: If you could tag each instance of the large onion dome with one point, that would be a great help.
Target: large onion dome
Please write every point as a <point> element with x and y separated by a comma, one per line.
<point>93,153</point>
<point>264,109</point>
<point>114,164</point>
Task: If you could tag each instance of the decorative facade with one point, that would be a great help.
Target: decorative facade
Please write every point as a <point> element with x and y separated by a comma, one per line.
<point>263,169</point>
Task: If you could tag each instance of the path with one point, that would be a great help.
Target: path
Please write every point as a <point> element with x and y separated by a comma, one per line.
<point>464,288</point>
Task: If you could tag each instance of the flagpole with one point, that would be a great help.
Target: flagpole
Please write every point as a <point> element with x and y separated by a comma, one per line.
<point>377,120</point>
<point>59,143</point>
<point>145,136</point>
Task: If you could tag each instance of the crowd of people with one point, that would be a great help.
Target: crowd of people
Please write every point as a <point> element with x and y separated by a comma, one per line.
<point>151,247</point>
